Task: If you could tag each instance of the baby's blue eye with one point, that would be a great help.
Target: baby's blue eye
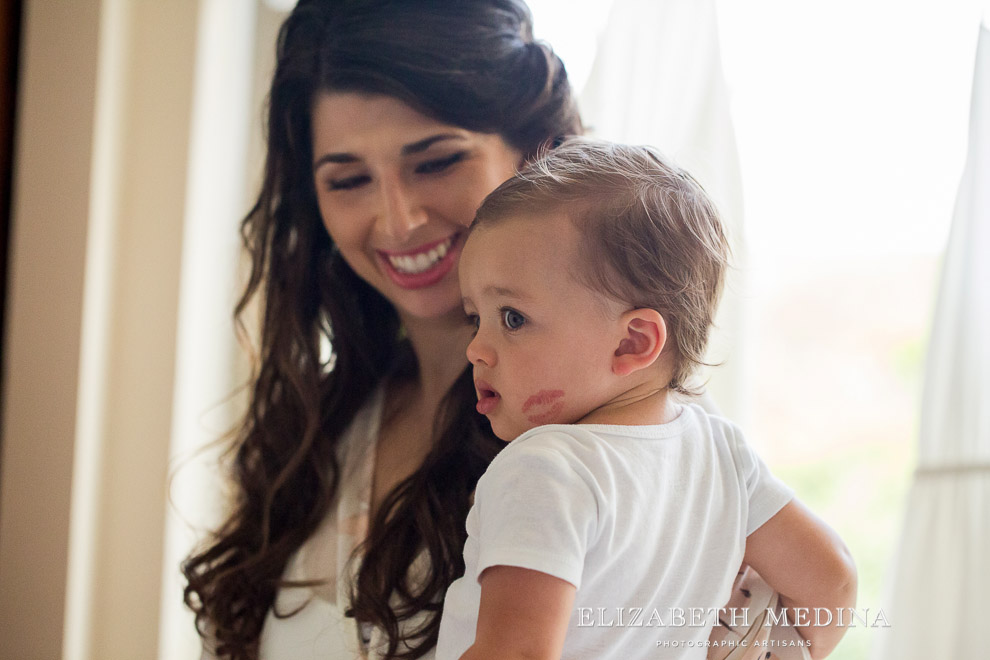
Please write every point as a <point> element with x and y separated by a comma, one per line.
<point>512,319</point>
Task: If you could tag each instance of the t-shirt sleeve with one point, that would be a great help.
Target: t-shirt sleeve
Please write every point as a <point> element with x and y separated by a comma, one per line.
<point>536,510</point>
<point>767,494</point>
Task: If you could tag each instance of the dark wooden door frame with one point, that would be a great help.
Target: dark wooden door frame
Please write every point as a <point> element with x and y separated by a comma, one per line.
<point>10,38</point>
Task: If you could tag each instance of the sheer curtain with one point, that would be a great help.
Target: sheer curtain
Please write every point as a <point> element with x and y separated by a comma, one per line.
<point>662,59</point>
<point>939,586</point>
<point>207,364</point>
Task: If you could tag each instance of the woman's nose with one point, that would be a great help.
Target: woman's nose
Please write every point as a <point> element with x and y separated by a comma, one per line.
<point>401,212</point>
<point>480,352</point>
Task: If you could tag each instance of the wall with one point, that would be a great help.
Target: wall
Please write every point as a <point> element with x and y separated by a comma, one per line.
<point>41,352</point>
<point>99,204</point>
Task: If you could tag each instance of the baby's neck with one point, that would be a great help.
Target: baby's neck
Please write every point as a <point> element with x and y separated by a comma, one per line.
<point>636,407</point>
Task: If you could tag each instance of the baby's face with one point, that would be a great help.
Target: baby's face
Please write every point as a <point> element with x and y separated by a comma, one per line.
<point>543,349</point>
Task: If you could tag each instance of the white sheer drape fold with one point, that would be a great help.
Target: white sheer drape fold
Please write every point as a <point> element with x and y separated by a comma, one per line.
<point>204,407</point>
<point>657,79</point>
<point>938,588</point>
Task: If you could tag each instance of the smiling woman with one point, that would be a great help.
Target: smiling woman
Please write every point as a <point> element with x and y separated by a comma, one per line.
<point>397,189</point>
<point>389,122</point>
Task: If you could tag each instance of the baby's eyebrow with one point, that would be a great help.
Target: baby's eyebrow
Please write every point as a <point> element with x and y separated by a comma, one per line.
<point>505,291</point>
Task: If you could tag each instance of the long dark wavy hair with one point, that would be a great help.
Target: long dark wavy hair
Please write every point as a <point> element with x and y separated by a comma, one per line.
<point>469,63</point>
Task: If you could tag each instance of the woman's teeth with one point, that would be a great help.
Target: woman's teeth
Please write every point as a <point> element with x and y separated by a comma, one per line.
<point>413,264</point>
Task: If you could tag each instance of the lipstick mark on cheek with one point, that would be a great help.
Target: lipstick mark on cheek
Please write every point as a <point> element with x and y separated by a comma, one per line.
<point>540,400</point>
<point>544,418</point>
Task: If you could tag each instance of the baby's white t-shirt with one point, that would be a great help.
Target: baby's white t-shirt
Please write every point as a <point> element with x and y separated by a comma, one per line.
<point>649,523</point>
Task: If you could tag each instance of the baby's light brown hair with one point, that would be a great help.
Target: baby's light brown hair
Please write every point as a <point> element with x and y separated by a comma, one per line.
<point>650,235</point>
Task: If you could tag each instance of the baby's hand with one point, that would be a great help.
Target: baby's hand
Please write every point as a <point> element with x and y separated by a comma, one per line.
<point>809,565</point>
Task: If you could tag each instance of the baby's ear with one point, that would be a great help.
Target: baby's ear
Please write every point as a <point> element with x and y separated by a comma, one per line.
<point>644,334</point>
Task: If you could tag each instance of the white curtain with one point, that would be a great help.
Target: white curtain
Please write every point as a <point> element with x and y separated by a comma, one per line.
<point>936,600</point>
<point>223,123</point>
<point>662,59</point>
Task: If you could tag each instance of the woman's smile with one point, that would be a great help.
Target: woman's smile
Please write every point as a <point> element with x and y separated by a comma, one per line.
<point>424,265</point>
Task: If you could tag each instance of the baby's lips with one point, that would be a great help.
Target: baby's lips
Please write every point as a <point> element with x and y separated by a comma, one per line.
<point>488,398</point>
<point>483,389</point>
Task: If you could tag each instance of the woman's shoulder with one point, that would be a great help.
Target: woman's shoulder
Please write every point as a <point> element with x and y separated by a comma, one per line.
<point>323,555</point>
<point>317,628</point>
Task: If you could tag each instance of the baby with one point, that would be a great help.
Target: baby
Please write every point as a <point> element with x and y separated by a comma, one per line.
<point>613,524</point>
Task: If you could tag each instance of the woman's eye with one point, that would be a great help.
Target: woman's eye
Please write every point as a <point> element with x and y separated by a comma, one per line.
<point>440,164</point>
<point>512,319</point>
<point>348,183</point>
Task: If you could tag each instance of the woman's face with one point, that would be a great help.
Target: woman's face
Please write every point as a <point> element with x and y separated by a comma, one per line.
<point>397,191</point>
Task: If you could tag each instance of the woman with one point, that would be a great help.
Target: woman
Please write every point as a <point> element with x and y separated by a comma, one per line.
<point>389,121</point>
<point>388,124</point>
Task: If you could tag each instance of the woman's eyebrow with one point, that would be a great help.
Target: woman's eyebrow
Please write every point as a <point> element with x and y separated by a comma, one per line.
<point>413,148</point>
<point>334,158</point>
<point>424,144</point>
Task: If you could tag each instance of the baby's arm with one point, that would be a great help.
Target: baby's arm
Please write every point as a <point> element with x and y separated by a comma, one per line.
<point>809,565</point>
<point>523,615</point>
